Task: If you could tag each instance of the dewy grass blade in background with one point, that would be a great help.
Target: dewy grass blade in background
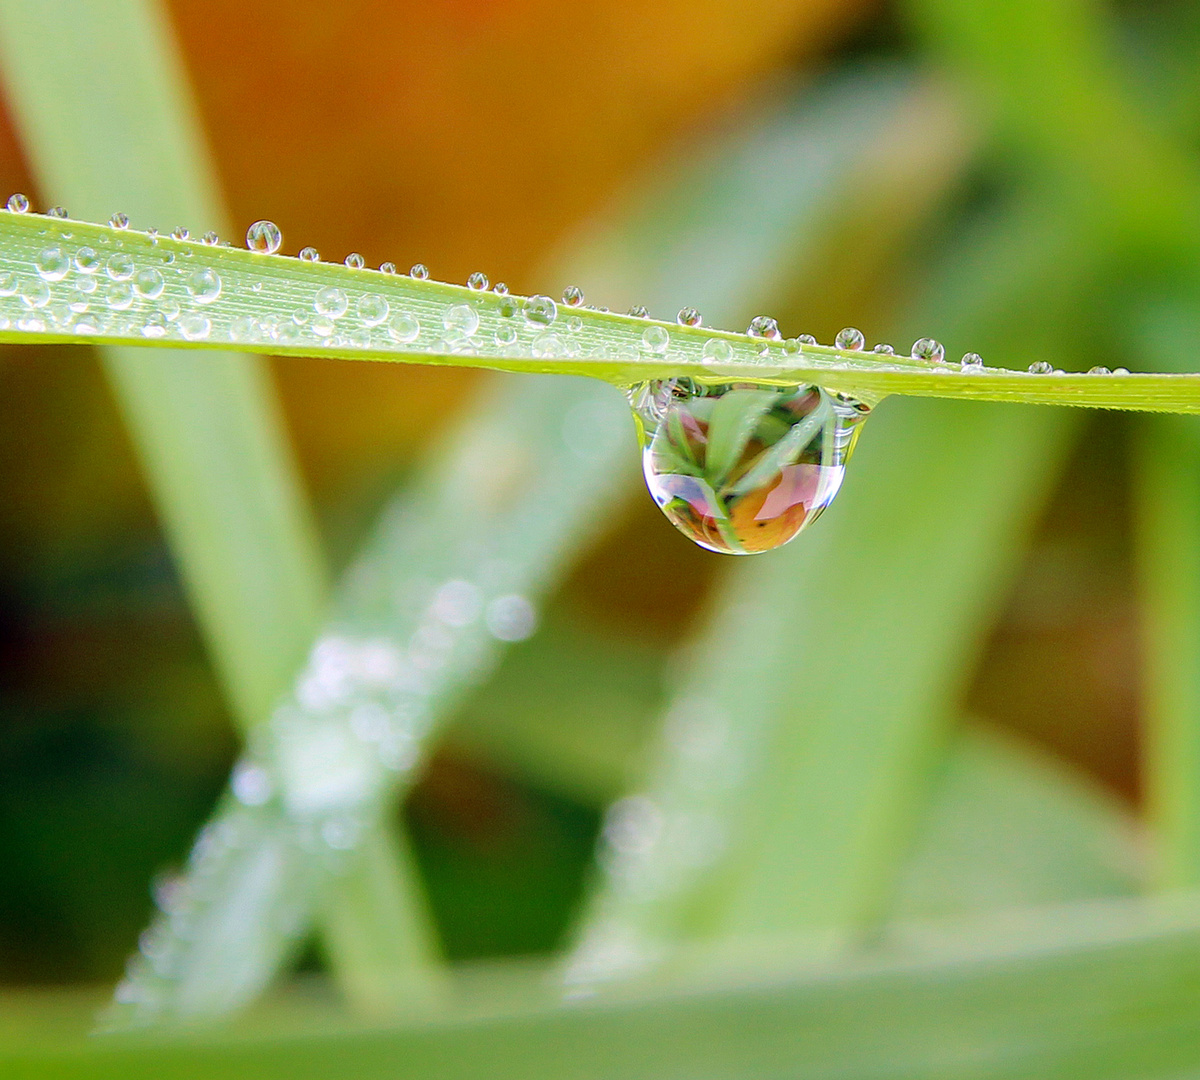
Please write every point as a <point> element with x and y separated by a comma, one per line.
<point>451,574</point>
<point>206,427</point>
<point>1094,991</point>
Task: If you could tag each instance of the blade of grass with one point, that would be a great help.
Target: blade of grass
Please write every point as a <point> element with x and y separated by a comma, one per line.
<point>257,296</point>
<point>207,429</point>
<point>1099,991</point>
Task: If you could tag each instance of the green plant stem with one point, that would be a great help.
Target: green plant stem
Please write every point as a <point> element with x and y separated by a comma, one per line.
<point>207,428</point>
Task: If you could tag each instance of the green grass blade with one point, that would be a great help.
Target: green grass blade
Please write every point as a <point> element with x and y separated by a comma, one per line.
<point>107,119</point>
<point>1101,991</point>
<point>258,295</point>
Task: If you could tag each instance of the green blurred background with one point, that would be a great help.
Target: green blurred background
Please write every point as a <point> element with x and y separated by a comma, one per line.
<point>1001,190</point>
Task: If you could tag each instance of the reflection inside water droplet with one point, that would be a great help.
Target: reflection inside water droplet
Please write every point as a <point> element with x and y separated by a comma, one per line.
<point>741,468</point>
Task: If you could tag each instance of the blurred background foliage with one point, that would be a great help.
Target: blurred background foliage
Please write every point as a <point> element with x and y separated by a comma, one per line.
<point>1015,178</point>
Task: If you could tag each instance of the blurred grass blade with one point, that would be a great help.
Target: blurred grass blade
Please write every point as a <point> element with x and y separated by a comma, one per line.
<point>210,297</point>
<point>207,428</point>
<point>1096,991</point>
<point>1008,827</point>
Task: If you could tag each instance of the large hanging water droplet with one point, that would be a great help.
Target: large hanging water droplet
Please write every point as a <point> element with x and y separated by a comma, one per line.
<point>739,468</point>
<point>264,237</point>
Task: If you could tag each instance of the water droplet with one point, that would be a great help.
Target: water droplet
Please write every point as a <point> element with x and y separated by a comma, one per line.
<point>689,316</point>
<point>792,346</point>
<point>806,339</point>
<point>78,302</point>
<point>87,260</point>
<point>120,266</point>
<point>86,284</point>
<point>211,238</point>
<point>264,237</point>
<point>972,362</point>
<point>53,263</point>
<point>763,326</point>
<point>639,312</point>
<point>169,306</point>
<point>419,272</point>
<point>180,232</point>
<point>34,293</point>
<point>1040,367</point>
<point>849,338</point>
<point>59,212</point>
<point>717,351</point>
<point>387,268</point>
<point>243,328</point>
<point>331,302</point>
<point>155,325</point>
<point>541,310</point>
<point>18,203</point>
<point>928,349</point>
<point>478,281</point>
<point>511,617</point>
<point>323,326</point>
<point>119,220</point>
<point>884,350</point>
<point>508,306</point>
<point>194,326</point>
<point>1121,371</point>
<point>574,324</point>
<point>149,283</point>
<point>372,309</point>
<point>1099,369</point>
<point>741,469</point>
<point>460,321</point>
<point>500,289</point>
<point>355,261</point>
<point>572,296</point>
<point>204,285</point>
<point>309,254</point>
<point>404,328</point>
<point>119,296</point>
<point>656,339</point>
<point>506,334</point>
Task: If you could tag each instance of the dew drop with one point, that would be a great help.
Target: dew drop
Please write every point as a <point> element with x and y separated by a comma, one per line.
<point>639,312</point>
<point>572,296</point>
<point>194,326</point>
<point>1099,369</point>
<point>59,212</point>
<point>53,263</point>
<point>331,302</point>
<point>404,328</point>
<point>387,268</point>
<point>1040,367</point>
<point>763,326</point>
<point>119,296</point>
<point>86,284</point>
<point>884,350</point>
<point>460,321</point>
<point>928,349</point>
<point>1120,371</point>
<point>243,328</point>
<point>34,293</point>
<point>323,326</point>
<point>87,260</point>
<point>120,266</point>
<point>656,339</point>
<point>508,306</point>
<point>204,285</point>
<point>211,238</point>
<point>574,324</point>
<point>806,339</point>
<point>8,283</point>
<point>972,362</point>
<point>739,468</point>
<point>500,289</point>
<point>355,261</point>
<point>689,316</point>
<point>478,281</point>
<point>506,334</point>
<point>540,310</point>
<point>716,351</point>
<point>372,309</point>
<point>419,272</point>
<point>149,283</point>
<point>155,325</point>
<point>548,346</point>
<point>78,302</point>
<point>309,254</point>
<point>119,220</point>
<point>18,203</point>
<point>849,338</point>
<point>791,346</point>
<point>264,237</point>
<point>180,232</point>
